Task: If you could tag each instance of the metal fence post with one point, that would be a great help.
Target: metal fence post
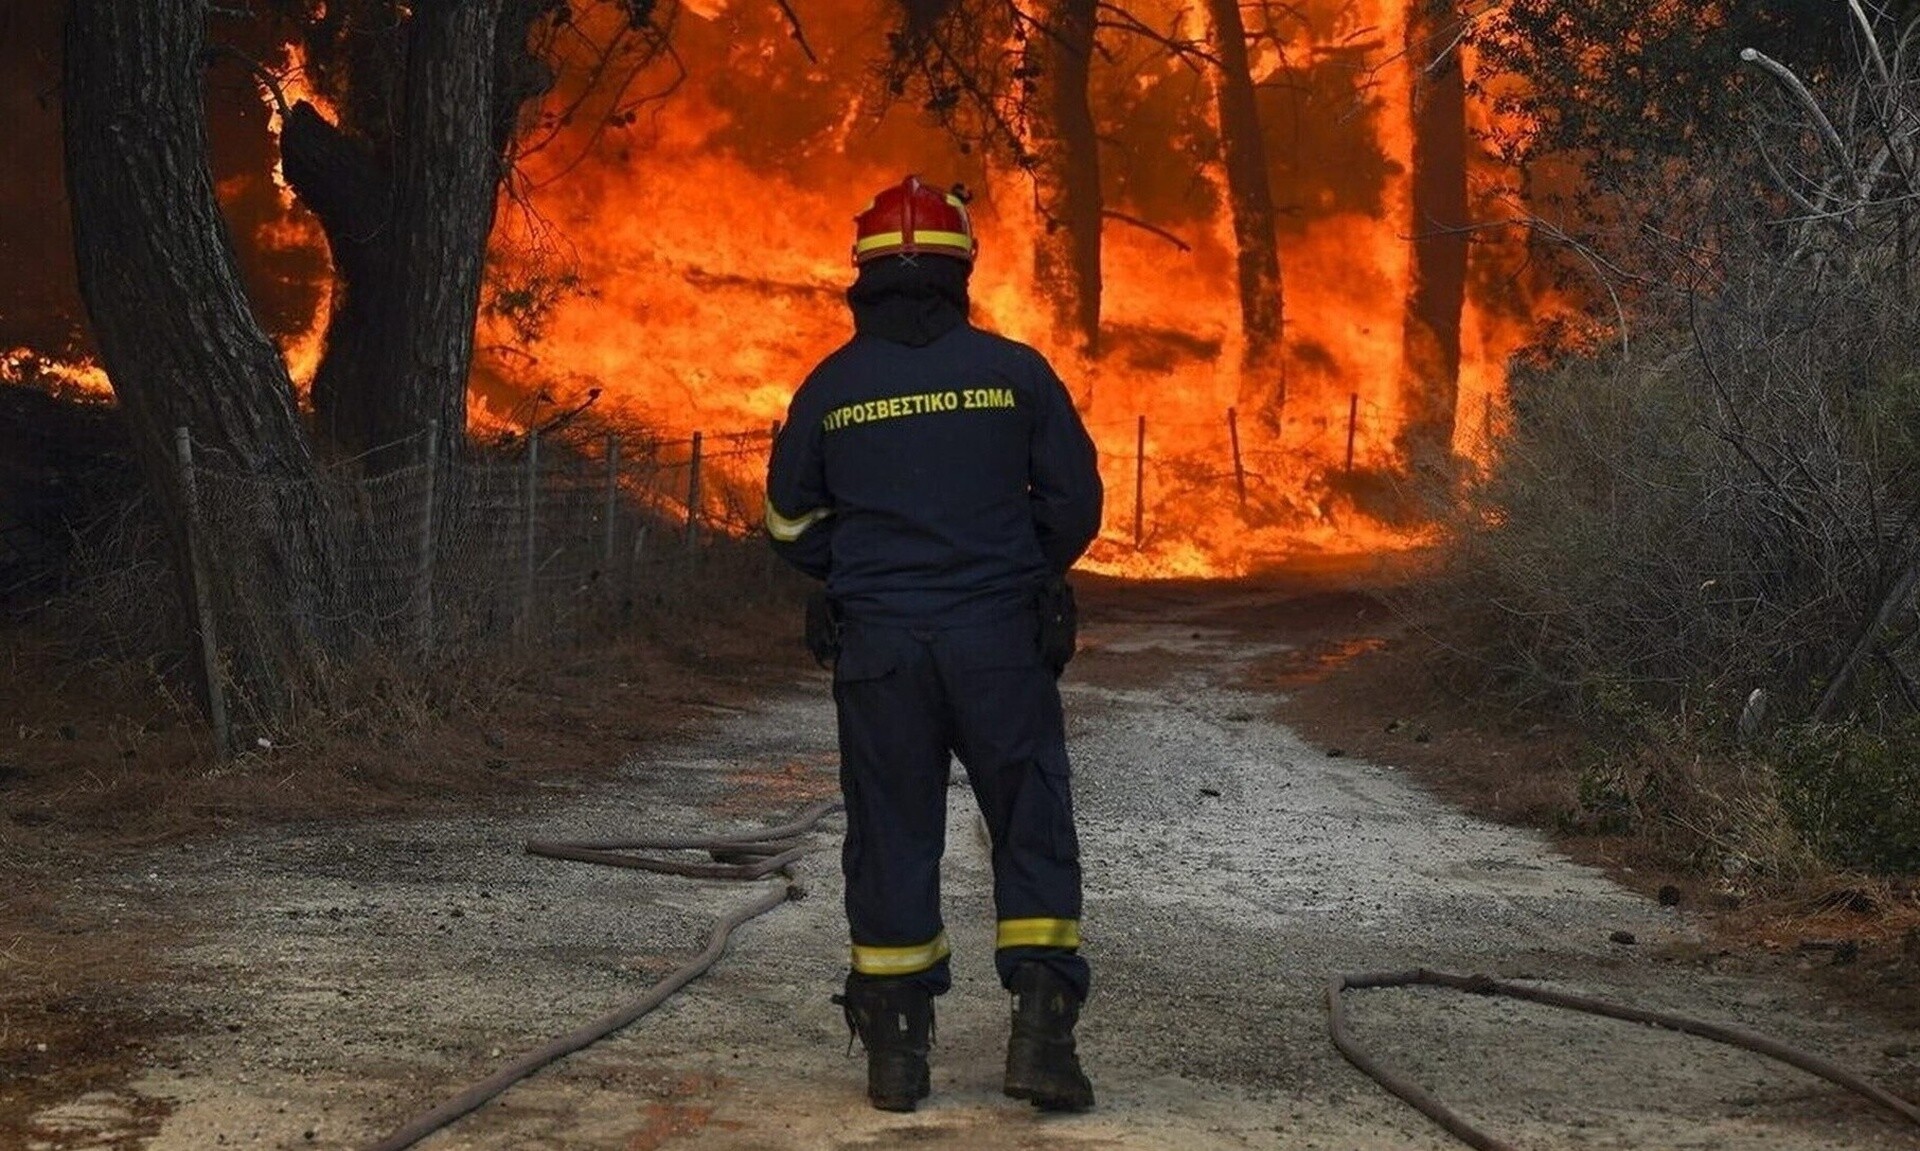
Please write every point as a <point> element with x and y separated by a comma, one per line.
<point>532,496</point>
<point>202,598</point>
<point>1353,420</point>
<point>1239,468</point>
<point>610,508</point>
<point>693,493</point>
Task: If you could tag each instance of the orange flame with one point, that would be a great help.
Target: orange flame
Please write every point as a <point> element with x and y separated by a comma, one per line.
<point>80,379</point>
<point>711,234</point>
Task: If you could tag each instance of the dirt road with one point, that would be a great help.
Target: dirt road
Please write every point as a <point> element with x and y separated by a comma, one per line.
<point>339,979</point>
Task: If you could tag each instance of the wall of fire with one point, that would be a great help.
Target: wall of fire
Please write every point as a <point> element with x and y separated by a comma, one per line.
<point>702,248</point>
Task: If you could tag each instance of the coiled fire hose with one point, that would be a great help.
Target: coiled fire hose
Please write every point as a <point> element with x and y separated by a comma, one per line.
<point>734,857</point>
<point>1472,1136</point>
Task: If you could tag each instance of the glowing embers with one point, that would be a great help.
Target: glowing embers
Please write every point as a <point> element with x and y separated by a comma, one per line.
<point>74,379</point>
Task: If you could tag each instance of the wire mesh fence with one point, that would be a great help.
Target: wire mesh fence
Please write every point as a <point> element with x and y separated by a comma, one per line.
<point>532,537</point>
<point>531,540</point>
<point>1166,477</point>
<point>546,538</point>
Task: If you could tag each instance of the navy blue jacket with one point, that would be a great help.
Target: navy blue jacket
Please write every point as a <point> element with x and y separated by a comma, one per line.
<point>933,486</point>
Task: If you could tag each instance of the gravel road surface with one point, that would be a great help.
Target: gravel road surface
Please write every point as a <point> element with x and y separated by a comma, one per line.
<point>340,979</point>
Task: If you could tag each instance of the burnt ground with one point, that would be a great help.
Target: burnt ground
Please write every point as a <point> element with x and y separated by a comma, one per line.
<point>1271,788</point>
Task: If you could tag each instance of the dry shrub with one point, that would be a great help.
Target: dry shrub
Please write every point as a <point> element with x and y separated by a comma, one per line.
<point>1694,807</point>
<point>1707,534</point>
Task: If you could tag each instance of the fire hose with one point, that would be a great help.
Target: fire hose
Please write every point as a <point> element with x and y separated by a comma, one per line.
<point>776,849</point>
<point>1432,1108</point>
<point>769,852</point>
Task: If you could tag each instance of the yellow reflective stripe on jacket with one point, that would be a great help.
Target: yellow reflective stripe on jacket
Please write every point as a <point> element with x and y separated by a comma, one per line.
<point>921,239</point>
<point>786,530</point>
<point>900,960</point>
<point>1038,933</point>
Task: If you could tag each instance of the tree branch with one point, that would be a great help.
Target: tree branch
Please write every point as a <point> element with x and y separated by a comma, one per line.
<point>260,71</point>
<point>1187,51</point>
<point>1842,677</point>
<point>799,33</point>
<point>1792,83</point>
<point>1155,229</point>
<point>1873,41</point>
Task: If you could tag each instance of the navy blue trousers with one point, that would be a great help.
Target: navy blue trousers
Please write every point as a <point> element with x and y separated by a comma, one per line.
<point>908,701</point>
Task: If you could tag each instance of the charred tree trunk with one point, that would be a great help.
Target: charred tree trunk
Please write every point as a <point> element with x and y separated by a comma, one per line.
<point>1431,337</point>
<point>1263,388</point>
<point>348,191</point>
<point>176,332</point>
<point>1065,165</point>
<point>405,190</point>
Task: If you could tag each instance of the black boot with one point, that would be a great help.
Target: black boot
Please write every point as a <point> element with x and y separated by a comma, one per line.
<point>1041,1065</point>
<point>894,1020</point>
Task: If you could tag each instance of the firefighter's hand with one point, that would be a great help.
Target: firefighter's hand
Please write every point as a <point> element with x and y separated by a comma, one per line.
<point>1059,624</point>
<point>823,629</point>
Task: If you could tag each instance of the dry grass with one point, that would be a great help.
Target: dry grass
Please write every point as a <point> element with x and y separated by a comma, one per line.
<point>112,751</point>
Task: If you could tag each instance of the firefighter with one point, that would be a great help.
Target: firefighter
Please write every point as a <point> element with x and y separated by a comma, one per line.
<point>938,479</point>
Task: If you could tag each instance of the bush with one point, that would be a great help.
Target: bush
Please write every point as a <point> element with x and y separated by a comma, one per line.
<point>1854,794</point>
<point>1726,498</point>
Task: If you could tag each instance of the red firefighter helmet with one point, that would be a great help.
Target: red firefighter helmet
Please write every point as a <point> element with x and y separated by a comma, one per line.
<point>912,218</point>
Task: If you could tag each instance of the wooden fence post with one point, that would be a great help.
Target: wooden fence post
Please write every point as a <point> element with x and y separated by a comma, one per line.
<point>202,598</point>
<point>610,508</point>
<point>423,567</point>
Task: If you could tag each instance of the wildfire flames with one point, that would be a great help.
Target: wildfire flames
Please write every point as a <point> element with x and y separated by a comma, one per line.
<point>710,233</point>
<point>81,379</point>
<point>717,260</point>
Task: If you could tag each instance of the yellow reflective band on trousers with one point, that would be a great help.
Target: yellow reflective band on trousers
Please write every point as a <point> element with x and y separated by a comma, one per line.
<point>1038,933</point>
<point>900,960</point>
<point>786,530</point>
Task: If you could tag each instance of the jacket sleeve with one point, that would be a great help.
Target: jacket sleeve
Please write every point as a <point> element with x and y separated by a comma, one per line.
<point>799,509</point>
<point>1063,477</point>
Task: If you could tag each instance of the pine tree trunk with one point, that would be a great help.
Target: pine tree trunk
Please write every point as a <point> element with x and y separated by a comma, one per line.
<point>405,191</point>
<point>1431,339</point>
<point>176,332</point>
<point>1263,389</point>
<point>1064,151</point>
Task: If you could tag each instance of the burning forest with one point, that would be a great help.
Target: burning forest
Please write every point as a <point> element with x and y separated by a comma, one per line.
<point>399,440</point>
<point>1255,241</point>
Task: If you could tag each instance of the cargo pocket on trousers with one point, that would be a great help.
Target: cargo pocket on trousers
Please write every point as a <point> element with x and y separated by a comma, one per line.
<point>1058,782</point>
<point>1042,818</point>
